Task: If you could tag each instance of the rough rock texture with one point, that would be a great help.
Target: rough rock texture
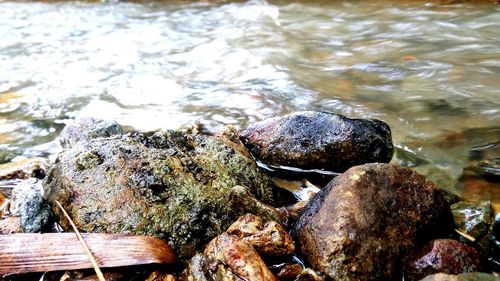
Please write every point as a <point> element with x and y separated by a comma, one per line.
<point>290,271</point>
<point>87,128</point>
<point>267,237</point>
<point>446,256</point>
<point>181,188</point>
<point>239,256</point>
<point>319,140</point>
<point>236,254</point>
<point>472,219</point>
<point>363,224</point>
<point>27,201</point>
<point>473,276</point>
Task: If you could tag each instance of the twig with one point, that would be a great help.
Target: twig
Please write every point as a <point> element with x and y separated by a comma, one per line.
<point>98,271</point>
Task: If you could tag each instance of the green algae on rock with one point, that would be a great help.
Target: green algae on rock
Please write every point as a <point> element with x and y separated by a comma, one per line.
<point>183,188</point>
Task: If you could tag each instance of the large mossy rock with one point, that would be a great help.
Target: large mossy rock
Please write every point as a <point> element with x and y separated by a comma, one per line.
<point>183,188</point>
<point>319,140</point>
<point>365,224</point>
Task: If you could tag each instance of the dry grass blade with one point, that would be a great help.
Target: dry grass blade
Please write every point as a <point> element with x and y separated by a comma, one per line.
<point>84,245</point>
<point>30,252</point>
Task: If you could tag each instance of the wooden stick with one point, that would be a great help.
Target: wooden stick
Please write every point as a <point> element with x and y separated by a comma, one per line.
<point>34,252</point>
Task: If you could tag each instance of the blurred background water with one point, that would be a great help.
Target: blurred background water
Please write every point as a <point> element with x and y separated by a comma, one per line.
<point>431,71</point>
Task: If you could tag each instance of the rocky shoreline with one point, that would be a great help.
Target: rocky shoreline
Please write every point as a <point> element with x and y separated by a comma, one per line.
<point>225,219</point>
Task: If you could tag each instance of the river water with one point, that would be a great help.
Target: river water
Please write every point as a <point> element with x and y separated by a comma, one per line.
<point>431,71</point>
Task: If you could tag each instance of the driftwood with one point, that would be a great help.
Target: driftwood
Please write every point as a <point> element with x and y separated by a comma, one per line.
<point>26,252</point>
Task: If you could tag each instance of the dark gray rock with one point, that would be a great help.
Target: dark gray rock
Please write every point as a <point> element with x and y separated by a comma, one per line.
<point>319,140</point>
<point>33,211</point>
<point>87,128</point>
<point>364,223</point>
<point>185,189</point>
<point>446,256</point>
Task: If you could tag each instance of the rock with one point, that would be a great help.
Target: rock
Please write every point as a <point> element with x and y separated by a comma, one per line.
<point>479,189</point>
<point>87,128</point>
<point>472,220</point>
<point>446,256</point>
<point>290,271</point>
<point>319,140</point>
<point>185,189</point>
<point>24,169</point>
<point>268,238</point>
<point>195,270</point>
<point>237,252</point>
<point>239,256</point>
<point>28,202</point>
<point>309,275</point>
<point>473,276</point>
<point>363,224</point>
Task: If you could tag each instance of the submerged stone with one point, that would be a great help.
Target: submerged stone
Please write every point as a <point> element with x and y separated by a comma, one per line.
<point>472,220</point>
<point>183,188</point>
<point>364,223</point>
<point>446,256</point>
<point>319,140</point>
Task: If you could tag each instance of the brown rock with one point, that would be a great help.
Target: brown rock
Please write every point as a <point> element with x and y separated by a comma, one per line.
<point>319,140</point>
<point>267,237</point>
<point>363,224</point>
<point>446,256</point>
<point>239,256</point>
<point>290,271</point>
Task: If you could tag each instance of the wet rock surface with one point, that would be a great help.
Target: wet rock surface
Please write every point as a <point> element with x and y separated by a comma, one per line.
<point>446,256</point>
<point>183,188</point>
<point>238,253</point>
<point>87,128</point>
<point>472,220</point>
<point>363,224</point>
<point>268,238</point>
<point>319,140</point>
<point>239,256</point>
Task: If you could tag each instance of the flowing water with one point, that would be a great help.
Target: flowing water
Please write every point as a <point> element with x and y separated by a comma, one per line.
<point>431,71</point>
